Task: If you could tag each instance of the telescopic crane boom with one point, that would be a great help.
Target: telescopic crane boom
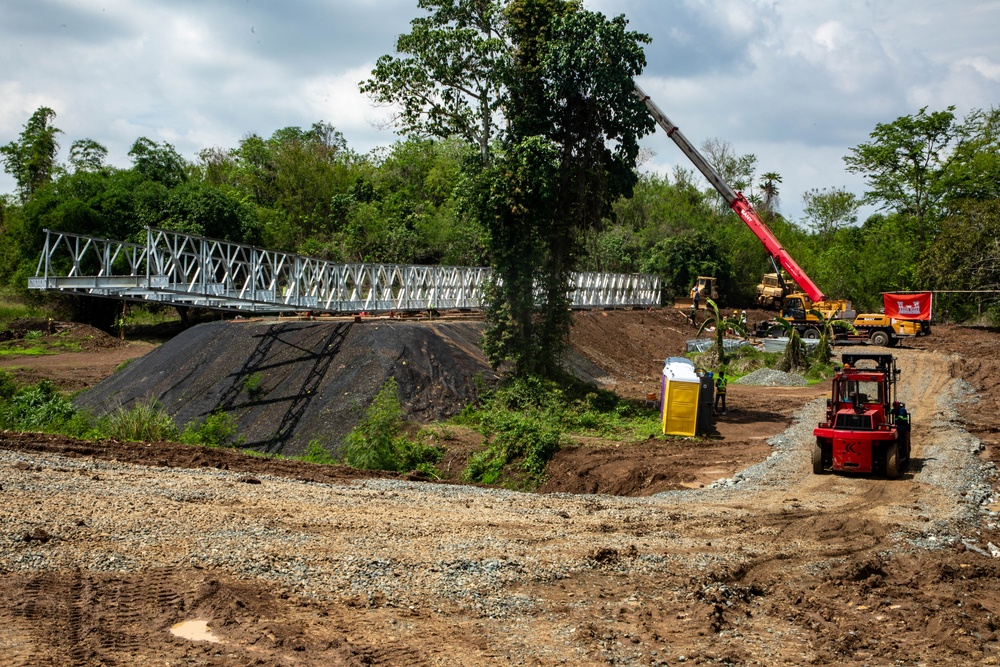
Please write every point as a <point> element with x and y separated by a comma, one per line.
<point>736,201</point>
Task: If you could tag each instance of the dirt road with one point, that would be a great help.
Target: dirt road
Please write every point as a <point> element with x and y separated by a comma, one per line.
<point>773,566</point>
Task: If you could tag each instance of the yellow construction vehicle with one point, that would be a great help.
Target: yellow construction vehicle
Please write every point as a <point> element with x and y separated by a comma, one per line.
<point>706,288</point>
<point>799,311</point>
<point>772,289</point>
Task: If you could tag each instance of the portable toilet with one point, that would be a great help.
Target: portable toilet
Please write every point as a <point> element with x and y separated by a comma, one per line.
<point>680,387</point>
<point>705,400</point>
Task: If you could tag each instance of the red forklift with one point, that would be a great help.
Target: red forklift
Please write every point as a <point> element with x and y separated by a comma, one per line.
<point>867,430</point>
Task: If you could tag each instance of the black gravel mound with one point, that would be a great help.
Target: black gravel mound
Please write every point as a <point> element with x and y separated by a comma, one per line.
<point>313,379</point>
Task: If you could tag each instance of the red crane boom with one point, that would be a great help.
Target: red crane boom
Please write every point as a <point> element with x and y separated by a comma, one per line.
<point>735,200</point>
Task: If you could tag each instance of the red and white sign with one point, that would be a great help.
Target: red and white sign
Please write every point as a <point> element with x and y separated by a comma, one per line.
<point>908,306</point>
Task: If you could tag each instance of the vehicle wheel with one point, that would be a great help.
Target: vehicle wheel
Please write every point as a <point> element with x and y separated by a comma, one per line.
<point>879,338</point>
<point>892,461</point>
<point>817,458</point>
<point>811,334</point>
<point>775,332</point>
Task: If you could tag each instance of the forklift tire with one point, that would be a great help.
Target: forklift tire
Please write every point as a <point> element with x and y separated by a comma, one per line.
<point>892,461</point>
<point>811,334</point>
<point>879,338</point>
<point>817,459</point>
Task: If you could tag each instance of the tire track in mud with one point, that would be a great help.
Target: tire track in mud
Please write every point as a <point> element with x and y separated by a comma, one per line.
<point>52,612</point>
<point>77,620</point>
<point>806,519</point>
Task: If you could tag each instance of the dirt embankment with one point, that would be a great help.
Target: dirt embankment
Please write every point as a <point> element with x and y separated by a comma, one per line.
<point>287,384</point>
<point>771,566</point>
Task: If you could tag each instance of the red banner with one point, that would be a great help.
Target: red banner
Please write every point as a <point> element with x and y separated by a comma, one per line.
<point>908,306</point>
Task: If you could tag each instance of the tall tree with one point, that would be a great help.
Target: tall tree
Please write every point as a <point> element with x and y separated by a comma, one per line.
<point>563,78</point>
<point>737,170</point>
<point>32,159</point>
<point>445,79</point>
<point>769,189</point>
<point>571,90</point>
<point>905,163</point>
<point>966,254</point>
<point>87,155</point>
<point>975,172</point>
<point>158,162</point>
<point>829,209</point>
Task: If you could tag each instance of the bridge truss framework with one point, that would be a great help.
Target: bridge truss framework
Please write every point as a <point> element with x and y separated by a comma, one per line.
<point>185,270</point>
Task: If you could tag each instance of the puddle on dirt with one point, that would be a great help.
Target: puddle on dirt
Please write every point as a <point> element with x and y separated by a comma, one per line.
<point>197,631</point>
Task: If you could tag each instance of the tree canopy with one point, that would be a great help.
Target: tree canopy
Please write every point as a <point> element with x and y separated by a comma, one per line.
<point>538,180</point>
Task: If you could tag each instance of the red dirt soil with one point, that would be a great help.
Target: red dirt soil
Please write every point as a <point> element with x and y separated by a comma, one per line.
<point>815,572</point>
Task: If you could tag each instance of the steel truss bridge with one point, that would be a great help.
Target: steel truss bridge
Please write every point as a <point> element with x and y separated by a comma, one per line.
<point>185,270</point>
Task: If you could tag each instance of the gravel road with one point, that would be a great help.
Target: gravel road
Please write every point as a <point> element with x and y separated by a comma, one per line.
<point>774,566</point>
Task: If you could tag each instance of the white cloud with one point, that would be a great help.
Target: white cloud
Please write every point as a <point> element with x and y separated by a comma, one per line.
<point>796,82</point>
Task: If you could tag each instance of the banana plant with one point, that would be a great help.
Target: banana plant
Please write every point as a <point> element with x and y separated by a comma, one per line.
<point>722,324</point>
<point>827,333</point>
<point>795,353</point>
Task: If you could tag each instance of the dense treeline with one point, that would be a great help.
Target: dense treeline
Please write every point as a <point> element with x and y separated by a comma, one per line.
<point>935,178</point>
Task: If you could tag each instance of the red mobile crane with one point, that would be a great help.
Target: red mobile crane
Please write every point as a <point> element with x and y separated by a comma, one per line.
<point>795,308</point>
<point>736,201</point>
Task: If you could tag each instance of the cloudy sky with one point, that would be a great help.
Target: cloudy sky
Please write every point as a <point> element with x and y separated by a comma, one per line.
<point>795,82</point>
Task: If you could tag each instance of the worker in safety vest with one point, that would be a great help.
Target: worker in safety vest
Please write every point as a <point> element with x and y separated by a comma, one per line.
<point>902,416</point>
<point>720,391</point>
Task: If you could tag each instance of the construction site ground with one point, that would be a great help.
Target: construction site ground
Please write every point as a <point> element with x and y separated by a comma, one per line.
<point>725,550</point>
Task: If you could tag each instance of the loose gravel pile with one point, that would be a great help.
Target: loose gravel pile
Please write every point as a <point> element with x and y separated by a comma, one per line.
<point>768,377</point>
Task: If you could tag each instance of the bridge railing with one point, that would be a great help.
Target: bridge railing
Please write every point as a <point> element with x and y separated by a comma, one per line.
<point>183,269</point>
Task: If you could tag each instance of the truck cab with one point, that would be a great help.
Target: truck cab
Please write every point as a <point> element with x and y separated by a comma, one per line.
<point>866,429</point>
<point>771,289</point>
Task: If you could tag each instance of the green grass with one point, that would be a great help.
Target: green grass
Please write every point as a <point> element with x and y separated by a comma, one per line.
<point>14,307</point>
<point>38,347</point>
<point>145,421</point>
<point>34,351</point>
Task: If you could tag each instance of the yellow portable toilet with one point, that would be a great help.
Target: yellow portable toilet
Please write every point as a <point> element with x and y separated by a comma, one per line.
<point>679,397</point>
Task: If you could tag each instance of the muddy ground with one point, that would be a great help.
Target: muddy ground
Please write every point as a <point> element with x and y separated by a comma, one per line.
<point>104,547</point>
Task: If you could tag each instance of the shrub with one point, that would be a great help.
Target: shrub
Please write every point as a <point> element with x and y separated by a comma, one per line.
<point>8,387</point>
<point>145,421</point>
<point>372,443</point>
<point>217,430</point>
<point>377,442</point>
<point>512,437</point>
<point>251,384</point>
<point>36,408</point>
<point>317,453</point>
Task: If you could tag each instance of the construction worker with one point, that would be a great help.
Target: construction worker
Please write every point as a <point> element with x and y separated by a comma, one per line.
<point>696,298</point>
<point>902,416</point>
<point>720,391</point>
<point>743,318</point>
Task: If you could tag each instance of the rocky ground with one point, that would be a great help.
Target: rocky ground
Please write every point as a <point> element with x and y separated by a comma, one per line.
<point>105,548</point>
